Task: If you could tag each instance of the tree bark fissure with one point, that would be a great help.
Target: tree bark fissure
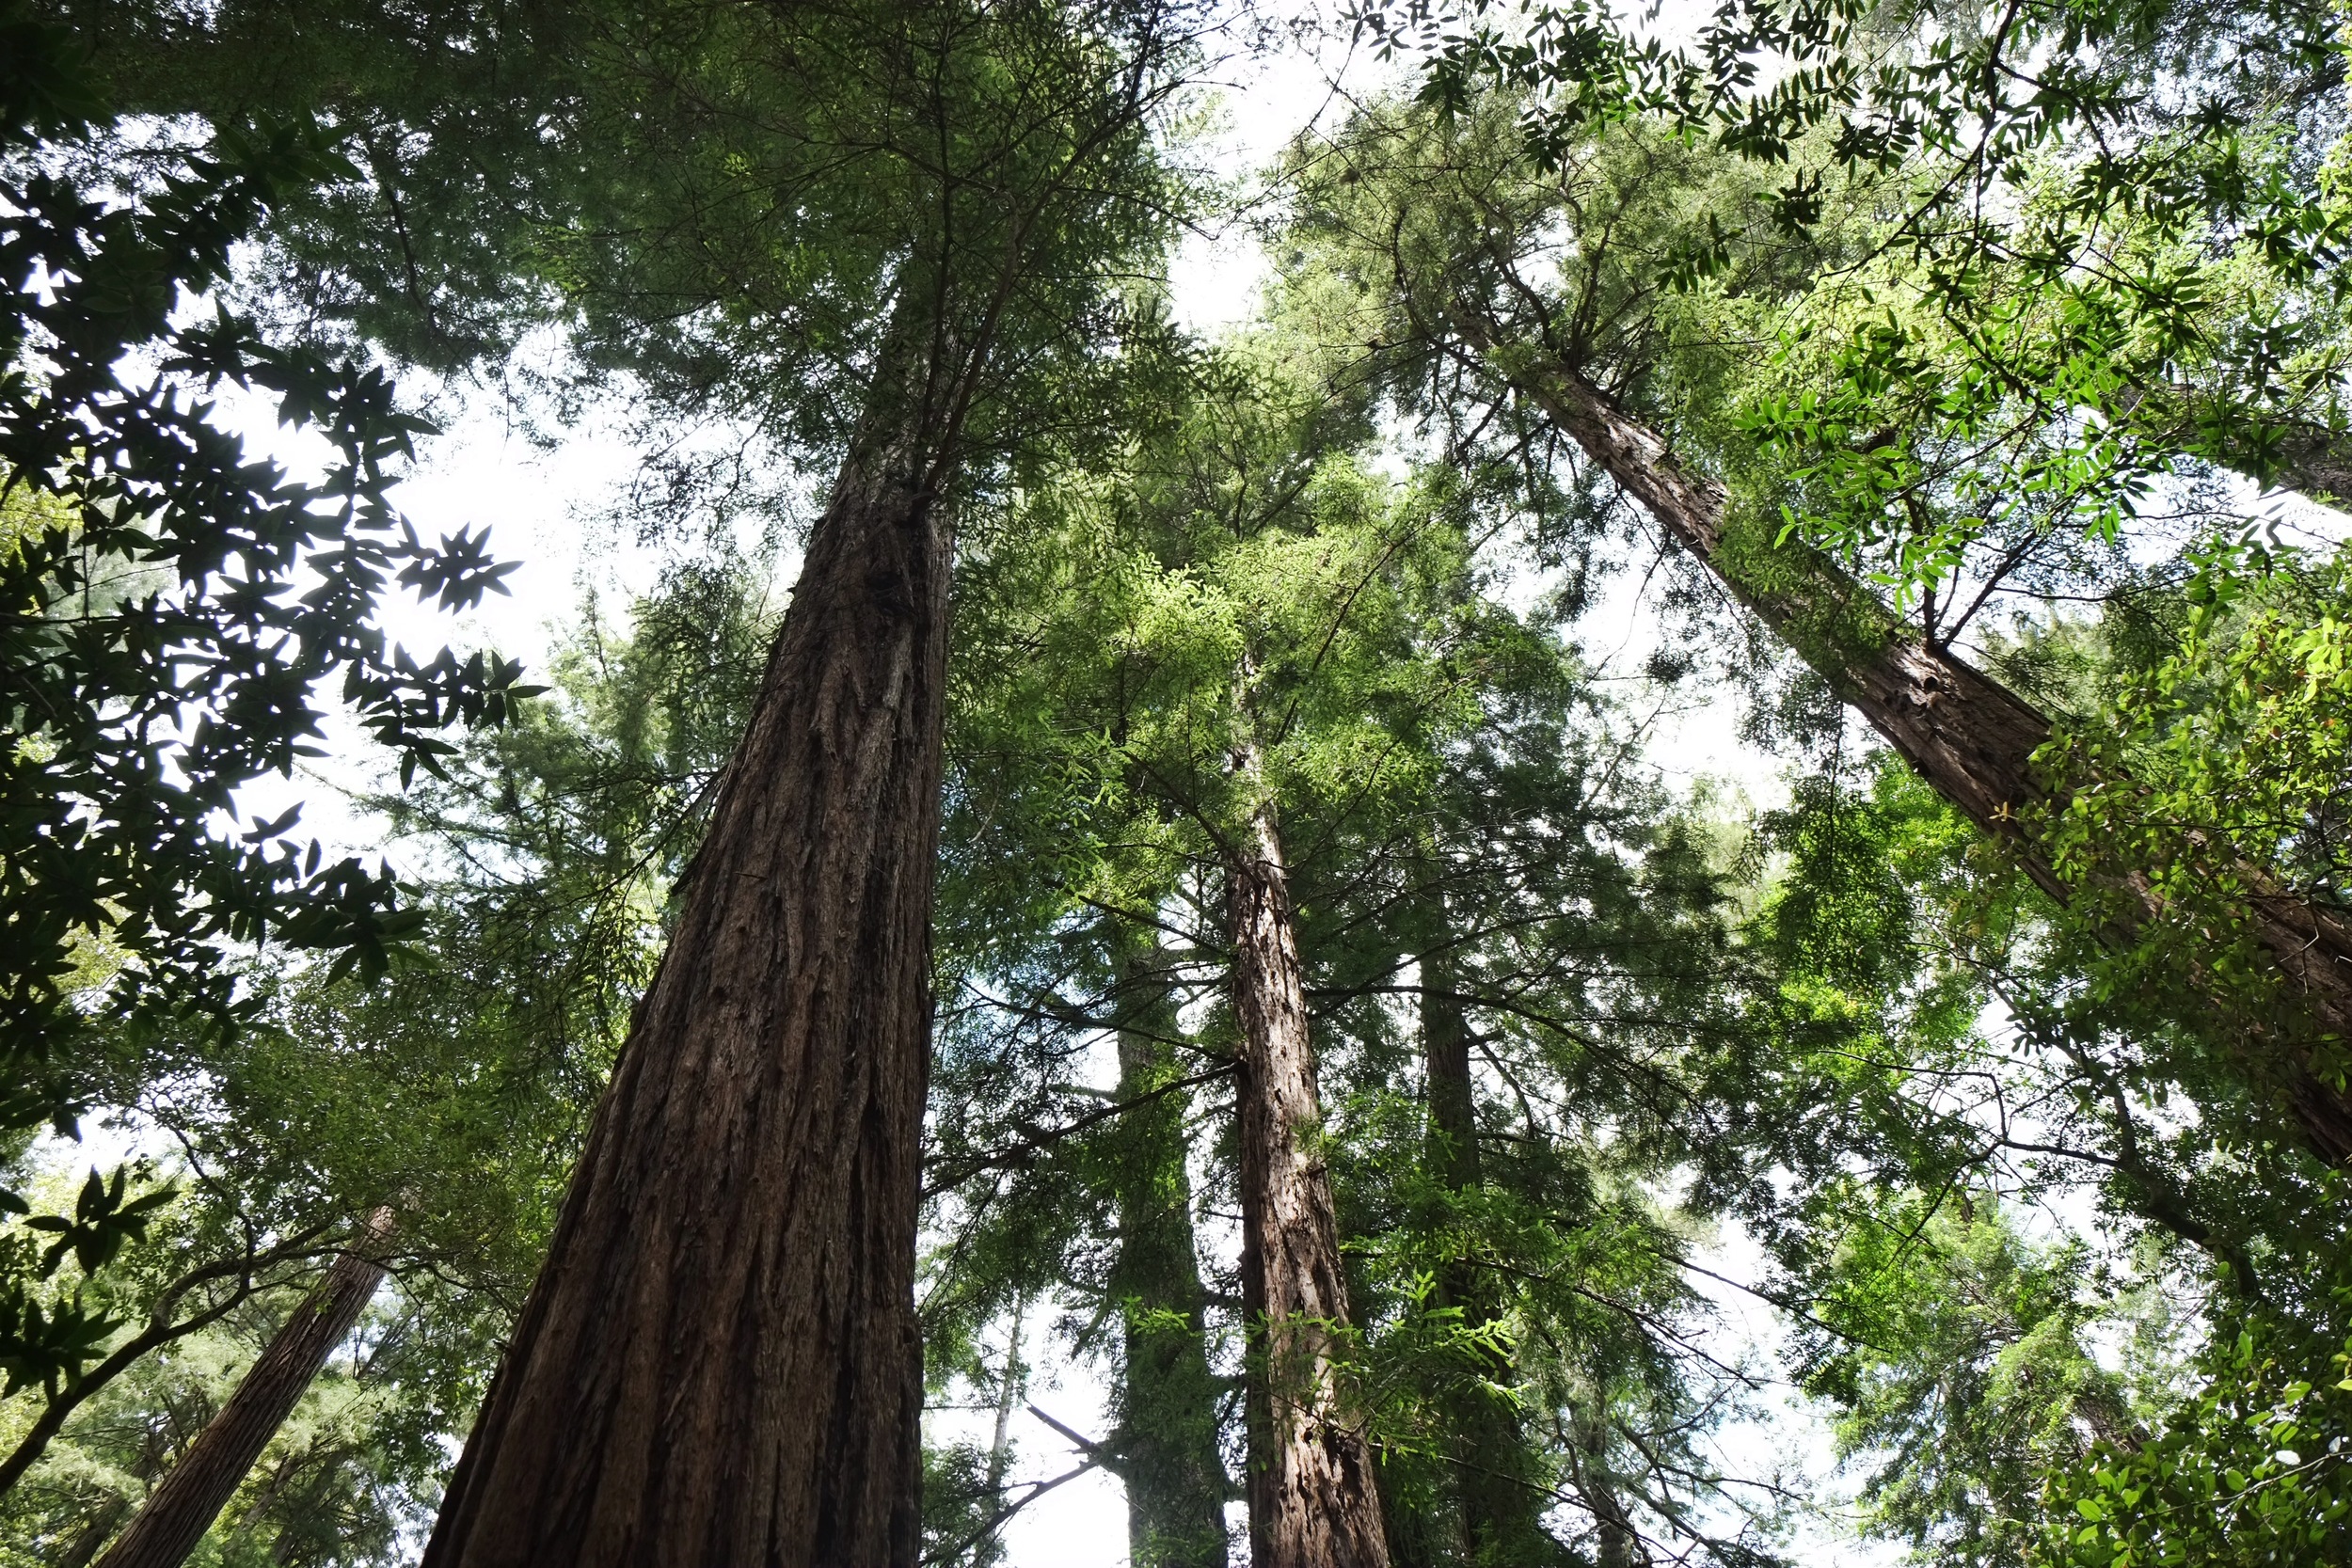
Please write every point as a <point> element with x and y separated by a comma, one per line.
<point>1969,736</point>
<point>1312,1501</point>
<point>719,1364</point>
<point>191,1496</point>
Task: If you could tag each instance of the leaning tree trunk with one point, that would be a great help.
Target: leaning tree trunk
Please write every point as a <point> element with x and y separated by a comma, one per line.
<point>1312,1502</point>
<point>1502,1510</point>
<point>184,1506</point>
<point>1969,736</point>
<point>1168,1460</point>
<point>719,1364</point>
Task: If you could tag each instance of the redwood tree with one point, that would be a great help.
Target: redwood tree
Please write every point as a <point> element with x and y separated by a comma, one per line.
<point>1311,1492</point>
<point>177,1513</point>
<point>879,236</point>
<point>720,1362</point>
<point>1445,227</point>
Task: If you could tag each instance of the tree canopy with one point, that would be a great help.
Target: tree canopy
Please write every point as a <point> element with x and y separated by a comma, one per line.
<point>1071,873</point>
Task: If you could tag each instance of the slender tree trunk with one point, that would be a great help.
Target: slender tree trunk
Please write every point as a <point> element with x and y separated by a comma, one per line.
<point>1619,1543</point>
<point>1502,1514</point>
<point>191,1496</point>
<point>1311,1495</point>
<point>1169,1459</point>
<point>1969,736</point>
<point>719,1363</point>
<point>1008,1395</point>
<point>989,1549</point>
<point>93,1534</point>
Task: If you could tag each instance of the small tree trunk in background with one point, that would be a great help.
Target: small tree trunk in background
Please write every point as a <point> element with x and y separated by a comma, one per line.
<point>1502,1513</point>
<point>720,1362</point>
<point>990,1550</point>
<point>92,1535</point>
<point>1969,736</point>
<point>192,1494</point>
<point>1312,1502</point>
<point>1168,1460</point>
<point>1618,1543</point>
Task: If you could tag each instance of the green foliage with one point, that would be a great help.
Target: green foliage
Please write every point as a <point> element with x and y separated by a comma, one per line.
<point>341,1483</point>
<point>2251,1470</point>
<point>1447,783</point>
<point>2095,238</point>
<point>1954,1351</point>
<point>2227,750</point>
<point>174,606</point>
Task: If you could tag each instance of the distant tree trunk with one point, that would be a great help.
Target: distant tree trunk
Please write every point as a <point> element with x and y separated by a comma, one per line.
<point>991,1548</point>
<point>1619,1544</point>
<point>192,1494</point>
<point>2303,455</point>
<point>1169,1459</point>
<point>95,1532</point>
<point>720,1362</point>
<point>1312,1502</point>
<point>1969,736</point>
<point>1502,1513</point>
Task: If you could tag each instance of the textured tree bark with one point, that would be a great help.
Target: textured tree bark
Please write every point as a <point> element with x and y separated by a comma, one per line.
<point>191,1496</point>
<point>719,1363</point>
<point>1970,737</point>
<point>1168,1460</point>
<point>1312,1502</point>
<point>1502,1513</point>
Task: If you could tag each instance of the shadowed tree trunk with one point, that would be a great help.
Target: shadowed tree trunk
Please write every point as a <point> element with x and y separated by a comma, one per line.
<point>1311,1496</point>
<point>184,1506</point>
<point>1169,1459</point>
<point>1502,1514</point>
<point>92,1535</point>
<point>1969,736</point>
<point>719,1363</point>
<point>2303,455</point>
<point>1617,1544</point>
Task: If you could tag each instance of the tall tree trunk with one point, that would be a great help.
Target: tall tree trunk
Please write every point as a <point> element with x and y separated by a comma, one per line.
<point>1969,736</point>
<point>719,1363</point>
<point>1618,1543</point>
<point>191,1496</point>
<point>94,1534</point>
<point>1312,1498</point>
<point>1169,1459</point>
<point>991,1548</point>
<point>1008,1395</point>
<point>1502,1513</point>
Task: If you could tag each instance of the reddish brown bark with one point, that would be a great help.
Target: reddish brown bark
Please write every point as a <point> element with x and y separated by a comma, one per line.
<point>184,1506</point>
<point>1969,736</point>
<point>1312,1498</point>
<point>719,1363</point>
